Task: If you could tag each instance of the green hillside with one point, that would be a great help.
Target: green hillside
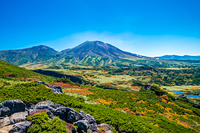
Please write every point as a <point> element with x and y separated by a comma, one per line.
<point>29,55</point>
<point>12,72</point>
<point>126,111</point>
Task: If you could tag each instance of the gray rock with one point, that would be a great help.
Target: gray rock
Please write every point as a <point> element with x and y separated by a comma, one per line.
<point>18,117</point>
<point>49,113</point>
<point>59,89</point>
<point>5,121</point>
<point>14,105</point>
<point>56,106</point>
<point>82,125</point>
<point>56,91</point>
<point>93,126</point>
<point>1,105</point>
<point>45,105</point>
<point>91,121</point>
<point>20,127</point>
<point>37,82</point>
<point>43,82</point>
<point>182,96</point>
<point>34,111</point>
<point>62,112</point>
<point>87,117</point>
<point>73,116</point>
<point>30,105</point>
<point>147,87</point>
<point>5,111</point>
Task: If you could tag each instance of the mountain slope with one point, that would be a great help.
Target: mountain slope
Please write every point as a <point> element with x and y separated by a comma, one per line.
<point>89,53</point>
<point>177,57</point>
<point>97,48</point>
<point>94,53</point>
<point>28,55</point>
<point>11,72</point>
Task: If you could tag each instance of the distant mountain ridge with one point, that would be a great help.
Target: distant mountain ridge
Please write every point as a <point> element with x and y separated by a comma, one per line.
<point>89,53</point>
<point>28,55</point>
<point>177,57</point>
<point>101,52</point>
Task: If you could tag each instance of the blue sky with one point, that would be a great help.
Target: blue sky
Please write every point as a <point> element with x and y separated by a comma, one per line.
<point>146,27</point>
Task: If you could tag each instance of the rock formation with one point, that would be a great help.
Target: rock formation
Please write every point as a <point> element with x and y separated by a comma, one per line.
<point>13,115</point>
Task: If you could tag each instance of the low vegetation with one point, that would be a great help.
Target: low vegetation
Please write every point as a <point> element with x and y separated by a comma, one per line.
<point>153,110</point>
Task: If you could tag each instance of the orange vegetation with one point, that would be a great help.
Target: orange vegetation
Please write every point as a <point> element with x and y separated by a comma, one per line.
<point>82,92</point>
<point>65,85</point>
<point>99,100</point>
<point>141,101</point>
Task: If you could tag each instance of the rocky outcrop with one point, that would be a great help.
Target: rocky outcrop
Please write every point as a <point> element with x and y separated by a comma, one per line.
<point>14,105</point>
<point>18,111</point>
<point>182,96</point>
<point>20,127</point>
<point>147,87</point>
<point>55,89</point>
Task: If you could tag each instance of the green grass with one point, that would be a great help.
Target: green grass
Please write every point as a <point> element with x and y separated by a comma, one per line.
<point>31,92</point>
<point>12,72</point>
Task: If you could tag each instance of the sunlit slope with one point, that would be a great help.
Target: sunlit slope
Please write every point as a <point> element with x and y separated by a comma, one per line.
<point>12,72</point>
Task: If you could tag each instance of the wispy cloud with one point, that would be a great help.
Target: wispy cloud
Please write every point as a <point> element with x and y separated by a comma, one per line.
<point>139,44</point>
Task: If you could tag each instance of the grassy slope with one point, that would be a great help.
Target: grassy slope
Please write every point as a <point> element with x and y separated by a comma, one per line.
<point>124,110</point>
<point>12,72</point>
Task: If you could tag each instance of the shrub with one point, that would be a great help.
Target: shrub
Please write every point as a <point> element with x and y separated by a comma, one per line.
<point>41,124</point>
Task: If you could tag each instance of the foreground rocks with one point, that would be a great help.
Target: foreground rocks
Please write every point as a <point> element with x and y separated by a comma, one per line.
<point>13,115</point>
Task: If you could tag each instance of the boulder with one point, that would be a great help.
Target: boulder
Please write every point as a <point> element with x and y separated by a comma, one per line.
<point>91,121</point>
<point>182,96</point>
<point>15,105</point>
<point>43,82</point>
<point>87,117</point>
<point>147,87</point>
<point>30,106</point>
<point>56,106</point>
<point>14,118</point>
<point>20,127</point>
<point>1,105</point>
<point>18,117</point>
<point>45,105</point>
<point>82,125</point>
<point>34,111</point>
<point>62,112</point>
<point>73,116</point>
<point>58,89</point>
<point>5,111</point>
<point>5,121</point>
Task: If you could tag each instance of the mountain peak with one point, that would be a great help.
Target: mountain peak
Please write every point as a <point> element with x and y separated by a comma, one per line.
<point>97,48</point>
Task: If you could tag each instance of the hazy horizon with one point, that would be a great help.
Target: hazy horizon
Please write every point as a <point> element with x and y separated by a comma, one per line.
<point>148,28</point>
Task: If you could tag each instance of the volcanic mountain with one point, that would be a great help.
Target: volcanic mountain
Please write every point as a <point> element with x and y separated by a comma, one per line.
<point>89,53</point>
<point>99,49</point>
